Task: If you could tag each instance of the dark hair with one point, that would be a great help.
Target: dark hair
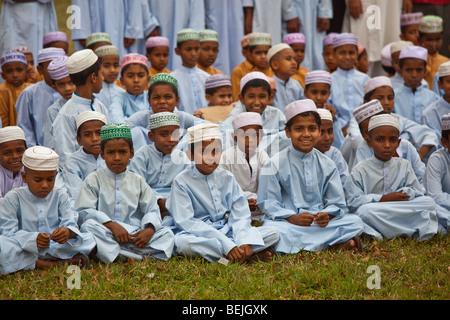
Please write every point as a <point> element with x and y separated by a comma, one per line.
<point>446,134</point>
<point>401,62</point>
<point>122,71</point>
<point>162,83</point>
<point>334,49</point>
<point>128,140</point>
<point>368,95</point>
<point>421,34</point>
<point>211,91</point>
<point>362,53</point>
<point>388,70</point>
<point>309,84</point>
<point>80,78</point>
<point>305,114</point>
<point>256,83</point>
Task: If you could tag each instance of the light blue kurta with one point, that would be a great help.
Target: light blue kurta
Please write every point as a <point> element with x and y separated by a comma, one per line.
<point>435,87</point>
<point>293,182</point>
<point>338,159</point>
<point>32,106</point>
<point>110,16</point>
<point>347,93</point>
<point>157,169</point>
<point>23,216</point>
<point>432,116</point>
<point>174,15</point>
<point>25,24</point>
<point>268,16</point>
<point>308,12</point>
<point>370,180</point>
<point>124,198</point>
<point>13,258</point>
<point>76,168</point>
<point>227,18</point>
<point>109,90</point>
<point>140,23</point>
<point>437,184</point>
<point>287,92</point>
<point>9,182</point>
<point>65,124</point>
<point>411,104</point>
<point>405,150</point>
<point>191,88</point>
<point>124,105</point>
<point>140,126</point>
<point>397,82</point>
<point>50,117</point>
<point>211,215</point>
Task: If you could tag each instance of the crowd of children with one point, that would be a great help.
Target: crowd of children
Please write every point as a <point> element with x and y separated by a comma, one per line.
<point>107,155</point>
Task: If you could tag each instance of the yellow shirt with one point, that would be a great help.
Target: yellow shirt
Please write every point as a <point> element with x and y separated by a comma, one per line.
<point>211,70</point>
<point>433,63</point>
<point>300,75</point>
<point>152,71</point>
<point>8,98</point>
<point>240,71</point>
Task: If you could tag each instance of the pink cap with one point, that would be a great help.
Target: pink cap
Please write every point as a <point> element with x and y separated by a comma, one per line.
<point>251,76</point>
<point>415,52</point>
<point>299,106</point>
<point>57,68</point>
<point>133,58</point>
<point>407,19</point>
<point>54,36</point>
<point>157,42</point>
<point>247,119</point>
<point>291,38</point>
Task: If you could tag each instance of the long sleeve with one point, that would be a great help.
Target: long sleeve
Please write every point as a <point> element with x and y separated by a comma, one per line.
<point>437,177</point>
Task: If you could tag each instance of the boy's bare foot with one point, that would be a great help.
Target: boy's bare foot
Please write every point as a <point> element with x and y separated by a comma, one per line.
<point>353,244</point>
<point>265,255</point>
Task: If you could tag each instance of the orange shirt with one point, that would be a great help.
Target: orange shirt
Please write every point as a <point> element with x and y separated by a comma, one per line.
<point>8,98</point>
<point>240,71</point>
<point>433,63</point>
<point>300,75</point>
<point>211,70</point>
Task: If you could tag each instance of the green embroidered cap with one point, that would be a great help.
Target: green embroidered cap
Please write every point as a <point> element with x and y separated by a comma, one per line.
<point>97,37</point>
<point>162,119</point>
<point>115,131</point>
<point>187,34</point>
<point>431,24</point>
<point>260,39</point>
<point>164,77</point>
<point>209,35</point>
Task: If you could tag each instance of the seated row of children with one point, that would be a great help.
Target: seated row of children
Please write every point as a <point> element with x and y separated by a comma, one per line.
<point>209,213</point>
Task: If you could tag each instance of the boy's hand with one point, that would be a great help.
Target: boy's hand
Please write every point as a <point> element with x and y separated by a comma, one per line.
<point>61,235</point>
<point>252,204</point>
<point>304,219</point>
<point>142,237</point>
<point>248,251</point>
<point>42,240</point>
<point>120,233</point>
<point>321,219</point>
<point>235,254</point>
<point>394,196</point>
<point>198,114</point>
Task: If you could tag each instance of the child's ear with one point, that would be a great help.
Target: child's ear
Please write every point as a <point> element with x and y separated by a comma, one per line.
<point>241,99</point>
<point>102,154</point>
<point>369,141</point>
<point>2,75</point>
<point>177,51</point>
<point>208,97</point>
<point>189,154</point>
<point>24,176</point>
<point>151,137</point>
<point>40,70</point>
<point>121,81</point>
<point>288,132</point>
<point>445,143</point>
<point>79,140</point>
<point>132,153</point>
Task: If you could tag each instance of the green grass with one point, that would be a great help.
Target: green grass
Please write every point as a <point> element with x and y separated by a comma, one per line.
<point>409,270</point>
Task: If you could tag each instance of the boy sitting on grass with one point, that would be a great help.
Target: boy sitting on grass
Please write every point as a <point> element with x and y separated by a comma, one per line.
<point>209,208</point>
<point>39,217</point>
<point>119,208</point>
<point>384,191</point>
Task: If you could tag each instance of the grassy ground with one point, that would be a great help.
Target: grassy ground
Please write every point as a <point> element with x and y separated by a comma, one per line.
<point>409,270</point>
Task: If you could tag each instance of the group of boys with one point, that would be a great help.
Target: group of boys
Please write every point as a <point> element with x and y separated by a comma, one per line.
<point>96,168</point>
